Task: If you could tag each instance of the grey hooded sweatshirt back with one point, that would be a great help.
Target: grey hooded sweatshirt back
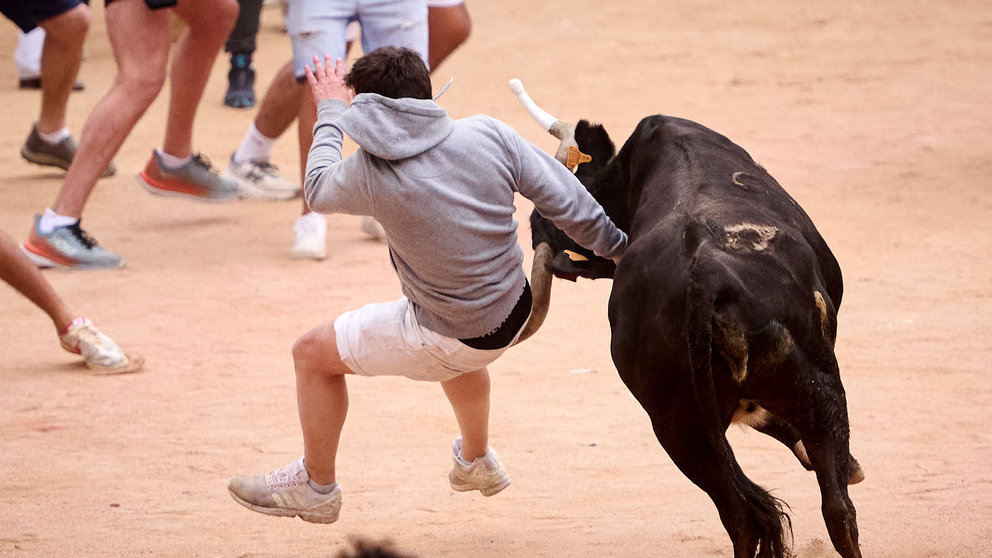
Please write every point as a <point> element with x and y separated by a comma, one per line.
<point>443,190</point>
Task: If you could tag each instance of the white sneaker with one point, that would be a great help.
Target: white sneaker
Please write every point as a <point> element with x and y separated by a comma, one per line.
<point>286,493</point>
<point>372,228</point>
<point>102,355</point>
<point>260,180</point>
<point>310,230</point>
<point>486,474</point>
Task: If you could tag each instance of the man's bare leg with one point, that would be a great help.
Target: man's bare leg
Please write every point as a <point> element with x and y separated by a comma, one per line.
<point>281,104</point>
<point>469,398</point>
<point>448,27</point>
<point>18,271</point>
<point>209,23</point>
<point>60,60</point>
<point>307,119</point>
<point>322,398</point>
<point>140,40</point>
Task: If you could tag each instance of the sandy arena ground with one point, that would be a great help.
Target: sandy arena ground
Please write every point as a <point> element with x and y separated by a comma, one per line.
<point>876,116</point>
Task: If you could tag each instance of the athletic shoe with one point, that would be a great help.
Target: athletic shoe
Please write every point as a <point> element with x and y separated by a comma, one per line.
<point>311,236</point>
<point>35,83</point>
<point>260,180</point>
<point>285,492</point>
<point>240,82</point>
<point>68,247</point>
<point>40,152</point>
<point>102,355</point>
<point>486,474</point>
<point>196,180</point>
<point>372,228</point>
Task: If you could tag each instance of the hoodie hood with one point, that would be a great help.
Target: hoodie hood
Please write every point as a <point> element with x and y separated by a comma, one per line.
<point>394,129</point>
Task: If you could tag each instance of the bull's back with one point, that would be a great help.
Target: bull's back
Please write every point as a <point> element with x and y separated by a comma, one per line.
<point>710,220</point>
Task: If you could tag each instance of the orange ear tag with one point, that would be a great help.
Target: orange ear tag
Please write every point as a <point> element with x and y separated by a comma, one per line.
<point>575,256</point>
<point>575,157</point>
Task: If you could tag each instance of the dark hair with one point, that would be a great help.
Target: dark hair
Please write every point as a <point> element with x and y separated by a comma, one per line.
<point>368,549</point>
<point>393,72</point>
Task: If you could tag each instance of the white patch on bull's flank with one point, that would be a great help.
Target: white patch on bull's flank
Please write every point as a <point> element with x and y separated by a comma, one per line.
<point>750,414</point>
<point>736,178</point>
<point>738,234</point>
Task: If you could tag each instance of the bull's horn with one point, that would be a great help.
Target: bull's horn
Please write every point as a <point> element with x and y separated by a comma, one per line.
<point>568,152</point>
<point>540,286</point>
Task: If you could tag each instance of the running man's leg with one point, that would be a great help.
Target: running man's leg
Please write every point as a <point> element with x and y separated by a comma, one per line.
<point>19,272</point>
<point>209,23</point>
<point>449,25</point>
<point>61,57</point>
<point>140,40</point>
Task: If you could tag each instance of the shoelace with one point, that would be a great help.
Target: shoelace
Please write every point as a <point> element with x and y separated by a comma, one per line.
<point>201,160</point>
<point>287,474</point>
<point>82,236</point>
<point>86,335</point>
<point>264,168</point>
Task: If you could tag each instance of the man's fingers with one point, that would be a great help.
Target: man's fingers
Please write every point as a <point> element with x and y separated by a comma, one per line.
<point>318,68</point>
<point>338,67</point>
<point>310,77</point>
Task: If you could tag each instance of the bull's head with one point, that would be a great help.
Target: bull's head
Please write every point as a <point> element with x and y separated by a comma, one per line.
<point>555,254</point>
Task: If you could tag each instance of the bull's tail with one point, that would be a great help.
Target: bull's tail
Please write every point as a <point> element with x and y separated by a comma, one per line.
<point>764,518</point>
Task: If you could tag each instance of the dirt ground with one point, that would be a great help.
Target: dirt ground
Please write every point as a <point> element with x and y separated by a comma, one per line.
<point>876,116</point>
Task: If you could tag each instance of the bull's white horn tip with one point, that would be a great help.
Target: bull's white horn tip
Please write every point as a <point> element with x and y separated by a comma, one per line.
<point>516,86</point>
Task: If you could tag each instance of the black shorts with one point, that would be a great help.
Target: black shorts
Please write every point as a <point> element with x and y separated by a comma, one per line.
<point>152,4</point>
<point>27,14</point>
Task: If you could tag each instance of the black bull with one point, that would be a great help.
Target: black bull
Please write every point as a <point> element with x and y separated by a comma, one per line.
<point>724,308</point>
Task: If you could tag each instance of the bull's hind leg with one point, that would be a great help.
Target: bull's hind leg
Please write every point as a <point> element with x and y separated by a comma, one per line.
<point>751,414</point>
<point>825,433</point>
<point>752,517</point>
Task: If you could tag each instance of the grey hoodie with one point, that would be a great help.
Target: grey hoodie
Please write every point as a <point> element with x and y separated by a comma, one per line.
<point>443,190</point>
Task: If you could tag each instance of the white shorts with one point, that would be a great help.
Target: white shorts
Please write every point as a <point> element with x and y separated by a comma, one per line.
<point>385,339</point>
<point>319,27</point>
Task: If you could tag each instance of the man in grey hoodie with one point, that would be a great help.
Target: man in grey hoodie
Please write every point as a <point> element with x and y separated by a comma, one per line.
<point>443,190</point>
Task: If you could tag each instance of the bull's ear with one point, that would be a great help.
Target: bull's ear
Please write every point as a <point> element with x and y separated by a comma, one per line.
<point>571,265</point>
<point>593,140</point>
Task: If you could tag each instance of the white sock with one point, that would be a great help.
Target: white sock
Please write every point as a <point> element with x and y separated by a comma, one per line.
<point>322,488</point>
<point>50,221</point>
<point>254,147</point>
<point>171,161</point>
<point>56,136</point>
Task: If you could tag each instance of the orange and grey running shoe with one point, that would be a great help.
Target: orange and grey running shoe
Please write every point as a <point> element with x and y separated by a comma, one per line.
<point>68,247</point>
<point>196,180</point>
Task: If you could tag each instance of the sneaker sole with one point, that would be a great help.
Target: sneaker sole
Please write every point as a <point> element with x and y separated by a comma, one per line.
<point>47,160</point>
<point>248,191</point>
<point>48,263</point>
<point>486,491</point>
<point>308,255</point>
<point>44,159</point>
<point>129,366</point>
<point>185,195</point>
<point>308,516</point>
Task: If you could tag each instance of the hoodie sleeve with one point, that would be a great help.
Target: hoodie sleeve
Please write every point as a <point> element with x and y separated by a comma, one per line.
<point>559,196</point>
<point>333,185</point>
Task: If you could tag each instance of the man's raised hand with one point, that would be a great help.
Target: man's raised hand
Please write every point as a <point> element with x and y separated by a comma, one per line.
<point>327,80</point>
